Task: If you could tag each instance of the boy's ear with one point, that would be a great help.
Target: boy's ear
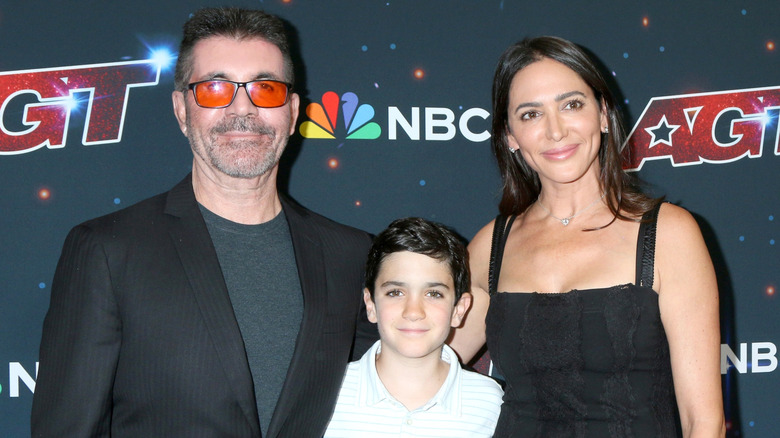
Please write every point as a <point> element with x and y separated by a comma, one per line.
<point>370,307</point>
<point>461,307</point>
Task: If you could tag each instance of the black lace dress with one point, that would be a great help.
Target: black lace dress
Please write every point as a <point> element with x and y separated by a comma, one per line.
<point>587,363</point>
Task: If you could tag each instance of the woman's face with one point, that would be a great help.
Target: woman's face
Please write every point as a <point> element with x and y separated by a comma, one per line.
<point>555,122</point>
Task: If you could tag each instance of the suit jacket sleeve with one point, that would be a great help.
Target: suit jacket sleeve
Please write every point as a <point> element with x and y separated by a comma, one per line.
<point>80,344</point>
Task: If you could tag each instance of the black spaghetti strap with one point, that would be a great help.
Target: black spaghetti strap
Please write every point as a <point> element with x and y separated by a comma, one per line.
<point>645,248</point>
<point>500,230</point>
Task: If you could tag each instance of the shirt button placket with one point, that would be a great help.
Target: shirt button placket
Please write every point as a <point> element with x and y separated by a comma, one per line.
<point>406,425</point>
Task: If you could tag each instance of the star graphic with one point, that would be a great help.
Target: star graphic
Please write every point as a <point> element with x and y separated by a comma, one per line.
<point>662,132</point>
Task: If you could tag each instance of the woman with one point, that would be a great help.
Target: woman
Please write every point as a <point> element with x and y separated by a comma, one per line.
<point>598,304</point>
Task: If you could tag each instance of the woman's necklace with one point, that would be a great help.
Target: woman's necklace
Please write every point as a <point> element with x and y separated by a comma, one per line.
<point>565,221</point>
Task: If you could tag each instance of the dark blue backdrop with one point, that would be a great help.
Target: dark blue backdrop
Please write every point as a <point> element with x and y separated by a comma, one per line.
<point>425,69</point>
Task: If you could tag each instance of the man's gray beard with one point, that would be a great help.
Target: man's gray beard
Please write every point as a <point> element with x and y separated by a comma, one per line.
<point>244,167</point>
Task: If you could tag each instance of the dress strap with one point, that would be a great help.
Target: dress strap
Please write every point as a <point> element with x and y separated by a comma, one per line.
<point>645,248</point>
<point>501,229</point>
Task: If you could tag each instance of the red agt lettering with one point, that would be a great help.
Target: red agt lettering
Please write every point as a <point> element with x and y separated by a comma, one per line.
<point>46,121</point>
<point>717,127</point>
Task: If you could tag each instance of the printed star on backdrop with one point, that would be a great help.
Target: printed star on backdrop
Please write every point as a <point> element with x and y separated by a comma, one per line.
<point>662,132</point>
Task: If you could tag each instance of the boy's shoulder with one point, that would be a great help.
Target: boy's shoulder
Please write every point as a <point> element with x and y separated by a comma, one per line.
<point>481,384</point>
<point>359,373</point>
<point>475,386</point>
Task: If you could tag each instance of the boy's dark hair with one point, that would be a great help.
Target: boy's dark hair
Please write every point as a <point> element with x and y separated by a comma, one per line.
<point>234,23</point>
<point>420,236</point>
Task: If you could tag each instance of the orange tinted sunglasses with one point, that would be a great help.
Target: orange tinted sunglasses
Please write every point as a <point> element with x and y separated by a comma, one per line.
<point>220,93</point>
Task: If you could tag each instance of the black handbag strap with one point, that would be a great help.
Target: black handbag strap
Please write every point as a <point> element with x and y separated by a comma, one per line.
<point>501,229</point>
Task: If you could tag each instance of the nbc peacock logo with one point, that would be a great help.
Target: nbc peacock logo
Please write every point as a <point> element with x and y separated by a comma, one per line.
<point>324,117</point>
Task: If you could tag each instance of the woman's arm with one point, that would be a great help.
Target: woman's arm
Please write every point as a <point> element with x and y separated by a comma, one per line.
<point>469,338</point>
<point>688,299</point>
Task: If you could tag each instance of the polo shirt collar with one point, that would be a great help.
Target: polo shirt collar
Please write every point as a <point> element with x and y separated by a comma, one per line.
<point>371,390</point>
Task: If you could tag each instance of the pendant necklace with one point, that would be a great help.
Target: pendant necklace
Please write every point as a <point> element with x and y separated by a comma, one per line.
<point>565,221</point>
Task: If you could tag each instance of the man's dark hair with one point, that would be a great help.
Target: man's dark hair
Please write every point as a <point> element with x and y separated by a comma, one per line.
<point>420,236</point>
<point>236,23</point>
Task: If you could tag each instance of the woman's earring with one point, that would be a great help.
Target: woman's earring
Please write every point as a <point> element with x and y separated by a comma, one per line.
<point>512,151</point>
<point>606,130</point>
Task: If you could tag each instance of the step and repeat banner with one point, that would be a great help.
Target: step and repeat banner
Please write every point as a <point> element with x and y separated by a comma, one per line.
<point>87,128</point>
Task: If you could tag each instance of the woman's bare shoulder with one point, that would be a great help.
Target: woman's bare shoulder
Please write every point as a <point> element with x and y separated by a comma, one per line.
<point>483,238</point>
<point>677,224</point>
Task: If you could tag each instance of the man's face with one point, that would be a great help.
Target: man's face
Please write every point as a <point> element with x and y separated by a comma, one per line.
<point>240,140</point>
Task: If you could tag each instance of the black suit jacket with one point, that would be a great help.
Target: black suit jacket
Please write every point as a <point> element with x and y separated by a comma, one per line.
<point>140,339</point>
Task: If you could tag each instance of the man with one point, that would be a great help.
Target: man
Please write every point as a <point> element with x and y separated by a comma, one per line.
<point>219,308</point>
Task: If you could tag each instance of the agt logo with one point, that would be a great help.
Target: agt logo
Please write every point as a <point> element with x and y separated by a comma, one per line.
<point>36,105</point>
<point>718,127</point>
<point>436,124</point>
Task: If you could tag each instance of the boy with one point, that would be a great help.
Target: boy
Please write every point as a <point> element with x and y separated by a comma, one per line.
<point>410,383</point>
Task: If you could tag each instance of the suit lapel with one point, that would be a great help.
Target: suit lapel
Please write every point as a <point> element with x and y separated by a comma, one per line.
<point>309,258</point>
<point>201,265</point>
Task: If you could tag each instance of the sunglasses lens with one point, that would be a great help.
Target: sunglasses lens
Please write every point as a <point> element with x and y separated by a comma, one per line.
<point>267,94</point>
<point>214,94</point>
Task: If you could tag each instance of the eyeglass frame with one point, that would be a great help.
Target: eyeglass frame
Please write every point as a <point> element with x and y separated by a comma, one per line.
<point>192,85</point>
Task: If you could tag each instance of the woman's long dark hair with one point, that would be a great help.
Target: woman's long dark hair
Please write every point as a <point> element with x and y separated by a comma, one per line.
<point>521,185</point>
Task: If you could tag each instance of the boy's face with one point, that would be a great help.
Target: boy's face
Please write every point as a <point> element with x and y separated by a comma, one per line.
<point>414,305</point>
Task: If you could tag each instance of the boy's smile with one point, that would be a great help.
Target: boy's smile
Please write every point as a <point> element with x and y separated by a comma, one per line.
<point>414,305</point>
